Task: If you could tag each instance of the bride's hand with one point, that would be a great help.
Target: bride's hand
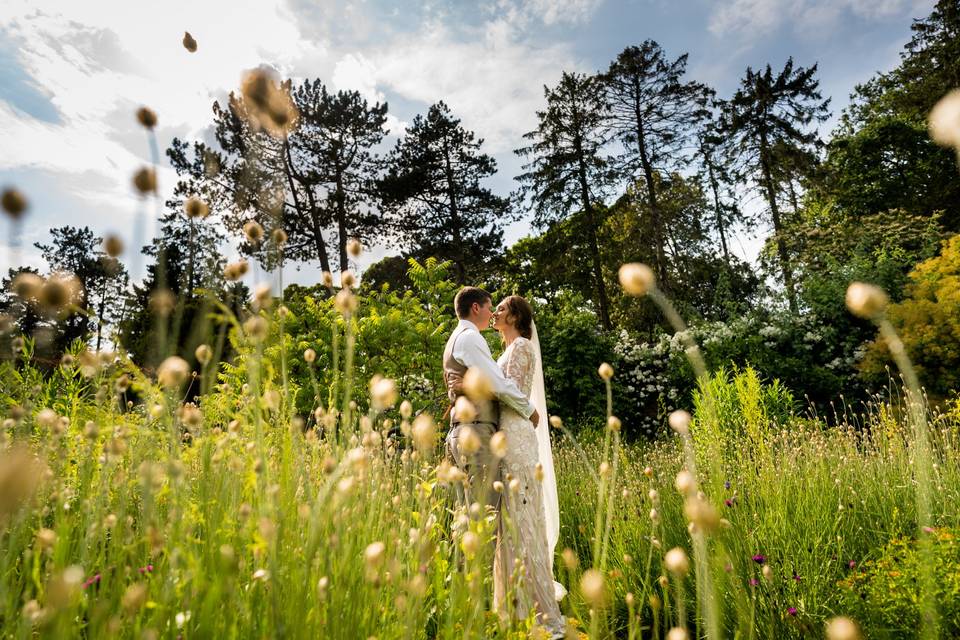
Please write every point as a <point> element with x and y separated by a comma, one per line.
<point>535,418</point>
<point>455,383</point>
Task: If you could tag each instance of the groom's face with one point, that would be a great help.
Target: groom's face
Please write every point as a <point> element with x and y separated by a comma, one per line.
<point>483,313</point>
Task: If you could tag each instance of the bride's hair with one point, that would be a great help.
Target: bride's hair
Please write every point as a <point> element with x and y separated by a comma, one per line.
<point>521,313</point>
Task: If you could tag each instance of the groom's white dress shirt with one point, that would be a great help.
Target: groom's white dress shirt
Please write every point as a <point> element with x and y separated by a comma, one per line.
<point>472,350</point>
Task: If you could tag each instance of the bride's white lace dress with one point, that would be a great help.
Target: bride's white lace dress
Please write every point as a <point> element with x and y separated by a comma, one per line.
<point>522,567</point>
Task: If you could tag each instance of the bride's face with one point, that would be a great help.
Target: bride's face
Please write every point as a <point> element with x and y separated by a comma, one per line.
<point>501,316</point>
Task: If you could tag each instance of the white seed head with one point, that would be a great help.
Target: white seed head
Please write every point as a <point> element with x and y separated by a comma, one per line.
<point>677,562</point>
<point>605,371</point>
<point>593,587</point>
<point>944,120</point>
<point>866,300</point>
<point>679,421</point>
<point>842,628</point>
<point>173,372</point>
<point>637,279</point>
<point>498,444</point>
<point>685,482</point>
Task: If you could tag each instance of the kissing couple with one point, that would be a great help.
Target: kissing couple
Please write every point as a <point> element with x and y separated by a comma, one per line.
<point>517,480</point>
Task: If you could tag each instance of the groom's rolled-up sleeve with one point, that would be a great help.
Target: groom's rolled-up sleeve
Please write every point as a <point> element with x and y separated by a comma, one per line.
<point>471,350</point>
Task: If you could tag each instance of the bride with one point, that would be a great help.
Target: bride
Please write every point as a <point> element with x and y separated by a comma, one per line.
<point>530,515</point>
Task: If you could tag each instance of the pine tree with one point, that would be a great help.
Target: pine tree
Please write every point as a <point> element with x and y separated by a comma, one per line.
<point>768,114</point>
<point>568,170</point>
<point>433,189</point>
<point>651,112</point>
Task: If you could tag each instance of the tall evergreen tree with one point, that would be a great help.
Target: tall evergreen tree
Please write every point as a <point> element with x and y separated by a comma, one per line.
<point>433,189</point>
<point>334,144</point>
<point>568,169</point>
<point>651,110</point>
<point>314,182</point>
<point>767,114</point>
<point>104,280</point>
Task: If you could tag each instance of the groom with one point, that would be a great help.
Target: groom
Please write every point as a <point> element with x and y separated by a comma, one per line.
<point>466,348</point>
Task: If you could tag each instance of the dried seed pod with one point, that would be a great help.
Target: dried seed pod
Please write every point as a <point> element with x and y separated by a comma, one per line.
<point>146,117</point>
<point>189,43</point>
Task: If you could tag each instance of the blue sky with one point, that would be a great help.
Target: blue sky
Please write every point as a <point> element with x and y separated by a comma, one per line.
<point>73,73</point>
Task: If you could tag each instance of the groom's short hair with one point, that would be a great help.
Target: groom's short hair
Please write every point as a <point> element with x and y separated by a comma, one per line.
<point>466,298</point>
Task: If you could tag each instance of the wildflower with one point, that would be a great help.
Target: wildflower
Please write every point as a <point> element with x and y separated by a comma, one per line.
<point>648,472</point>
<point>728,502</point>
<point>235,270</point>
<point>678,633</point>
<point>498,486</point>
<point>754,582</point>
<point>182,618</point>
<point>345,302</point>
<point>791,611</point>
<point>373,554</point>
<point>383,392</point>
<point>189,43</point>
<point>470,543</point>
<point>146,117</point>
<point>89,582</point>
<point>173,372</point>
<point>654,495</point>
<point>267,103</point>
<point>145,180</point>
<point>852,564</point>
<point>538,472</point>
<point>424,432</point>
<point>256,327</point>
<point>279,237</point>
<point>679,421</point>
<point>204,354</point>
<point>13,202</point>
<point>636,279</point>
<point>498,444</point>
<point>685,482</point>
<point>134,597</point>
<point>354,248</point>
<point>476,385</point>
<point>46,538</point>
<point>593,588</point>
<point>514,486</point>
<point>759,558</point>
<point>194,207</point>
<point>468,442</point>
<point>253,231</point>
<point>866,300</point>
<point>677,562</point>
<point>842,628</point>
<point>113,246</point>
<point>327,279</point>
<point>654,515</point>
<point>701,513</point>
<point>261,575</point>
<point>146,569</point>
<point>347,279</point>
<point>605,371</point>
<point>613,423</point>
<point>767,572</point>
<point>944,121</point>
<point>162,302</point>
<point>309,356</point>
<point>406,409</point>
<point>262,296</point>
<point>556,422</point>
<point>27,285</point>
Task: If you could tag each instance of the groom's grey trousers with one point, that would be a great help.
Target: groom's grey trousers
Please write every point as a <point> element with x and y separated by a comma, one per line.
<point>482,468</point>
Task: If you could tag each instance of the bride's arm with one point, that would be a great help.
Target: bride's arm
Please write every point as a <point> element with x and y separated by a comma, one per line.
<point>519,367</point>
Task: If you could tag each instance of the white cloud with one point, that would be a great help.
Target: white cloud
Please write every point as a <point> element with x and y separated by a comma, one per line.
<point>749,17</point>
<point>547,12</point>
<point>493,81</point>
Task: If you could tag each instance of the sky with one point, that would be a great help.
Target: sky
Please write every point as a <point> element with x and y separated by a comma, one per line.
<point>72,75</point>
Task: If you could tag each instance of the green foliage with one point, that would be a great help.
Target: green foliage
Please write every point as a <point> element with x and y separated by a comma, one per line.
<point>883,591</point>
<point>928,322</point>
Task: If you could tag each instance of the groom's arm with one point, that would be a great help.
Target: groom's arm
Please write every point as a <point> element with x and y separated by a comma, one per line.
<point>471,350</point>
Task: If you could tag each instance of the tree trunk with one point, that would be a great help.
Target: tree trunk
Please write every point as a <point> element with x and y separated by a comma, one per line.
<point>340,199</point>
<point>777,225</point>
<point>655,217</point>
<point>717,206</point>
<point>455,222</point>
<point>602,302</point>
<point>316,227</point>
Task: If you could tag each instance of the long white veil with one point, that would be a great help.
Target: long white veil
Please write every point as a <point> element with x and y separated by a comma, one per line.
<point>551,502</point>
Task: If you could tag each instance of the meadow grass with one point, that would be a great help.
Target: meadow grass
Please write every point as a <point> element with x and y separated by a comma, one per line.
<point>231,518</point>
